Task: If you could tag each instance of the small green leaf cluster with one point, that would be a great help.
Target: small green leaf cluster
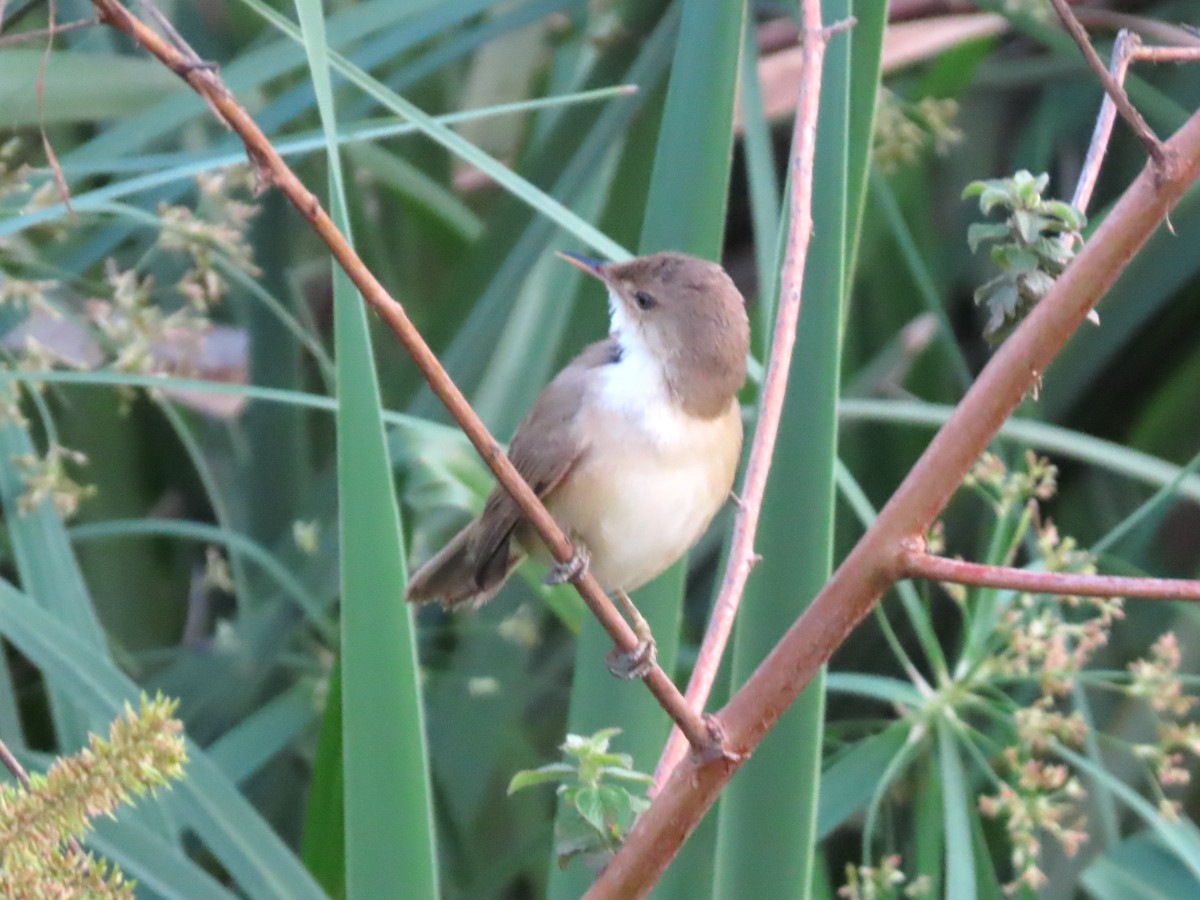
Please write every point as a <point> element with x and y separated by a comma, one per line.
<point>144,751</point>
<point>1032,246</point>
<point>597,814</point>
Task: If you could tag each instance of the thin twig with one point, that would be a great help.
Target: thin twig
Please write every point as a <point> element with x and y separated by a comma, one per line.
<point>1167,54</point>
<point>60,180</point>
<point>38,34</point>
<point>1128,111</point>
<point>272,170</point>
<point>1126,43</point>
<point>918,564</point>
<point>871,568</point>
<point>742,557</point>
<point>13,765</point>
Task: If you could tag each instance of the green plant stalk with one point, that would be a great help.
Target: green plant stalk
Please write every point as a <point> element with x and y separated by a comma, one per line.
<point>206,802</point>
<point>389,828</point>
<point>773,803</point>
<point>324,845</point>
<point>50,574</point>
<point>685,210</point>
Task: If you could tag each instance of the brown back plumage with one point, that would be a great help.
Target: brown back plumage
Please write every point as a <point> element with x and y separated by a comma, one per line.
<point>476,563</point>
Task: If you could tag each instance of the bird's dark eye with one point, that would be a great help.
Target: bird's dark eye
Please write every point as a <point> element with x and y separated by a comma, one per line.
<point>644,300</point>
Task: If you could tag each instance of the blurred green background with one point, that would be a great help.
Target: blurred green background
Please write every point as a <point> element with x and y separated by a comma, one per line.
<point>344,748</point>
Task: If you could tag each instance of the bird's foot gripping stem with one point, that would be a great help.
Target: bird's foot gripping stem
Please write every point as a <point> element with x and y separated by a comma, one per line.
<point>561,573</point>
<point>637,662</point>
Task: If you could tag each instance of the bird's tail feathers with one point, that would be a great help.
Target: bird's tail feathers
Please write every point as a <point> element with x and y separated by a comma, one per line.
<point>452,576</point>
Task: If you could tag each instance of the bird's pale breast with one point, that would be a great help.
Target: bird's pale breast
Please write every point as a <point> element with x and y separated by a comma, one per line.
<point>646,488</point>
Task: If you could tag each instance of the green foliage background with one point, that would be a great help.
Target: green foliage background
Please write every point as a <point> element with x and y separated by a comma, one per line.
<point>323,744</point>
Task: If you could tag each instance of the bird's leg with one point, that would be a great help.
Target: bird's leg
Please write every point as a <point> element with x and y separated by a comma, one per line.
<point>643,657</point>
<point>561,573</point>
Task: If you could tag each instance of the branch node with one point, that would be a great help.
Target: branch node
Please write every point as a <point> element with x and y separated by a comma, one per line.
<point>715,749</point>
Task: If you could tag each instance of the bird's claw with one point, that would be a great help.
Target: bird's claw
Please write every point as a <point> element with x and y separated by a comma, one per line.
<point>635,663</point>
<point>561,573</point>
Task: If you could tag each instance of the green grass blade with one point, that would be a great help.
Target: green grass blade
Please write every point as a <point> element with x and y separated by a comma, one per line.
<point>250,744</point>
<point>205,800</point>
<point>685,210</point>
<point>772,804</point>
<point>210,534</point>
<point>468,152</point>
<point>1180,836</point>
<point>1139,868</point>
<point>419,193</point>
<point>164,169</point>
<point>918,617</point>
<point>848,784</point>
<point>1047,438</point>
<point>325,823</point>
<point>389,823</point>
<point>158,865</point>
<point>876,687</point>
<point>866,37</point>
<point>50,574</point>
<point>511,255</point>
<point>78,87</point>
<point>762,186</point>
<point>689,183</point>
<point>956,806</point>
<point>885,198</point>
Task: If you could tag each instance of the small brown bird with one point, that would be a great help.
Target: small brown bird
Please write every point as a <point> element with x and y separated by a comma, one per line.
<point>632,447</point>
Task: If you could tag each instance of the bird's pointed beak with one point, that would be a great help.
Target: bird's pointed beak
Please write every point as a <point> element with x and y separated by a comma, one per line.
<point>594,267</point>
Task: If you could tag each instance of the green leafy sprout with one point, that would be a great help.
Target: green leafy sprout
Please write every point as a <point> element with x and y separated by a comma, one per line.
<point>1032,246</point>
<point>597,813</point>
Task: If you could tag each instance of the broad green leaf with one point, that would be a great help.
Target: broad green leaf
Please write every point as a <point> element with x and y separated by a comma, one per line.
<point>389,821</point>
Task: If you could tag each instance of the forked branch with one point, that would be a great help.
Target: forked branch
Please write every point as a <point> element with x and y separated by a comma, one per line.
<point>917,564</point>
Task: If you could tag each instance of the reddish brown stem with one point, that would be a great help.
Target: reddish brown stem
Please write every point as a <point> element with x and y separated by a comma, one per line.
<point>1167,54</point>
<point>870,568</point>
<point>916,564</point>
<point>272,170</point>
<point>1111,86</point>
<point>742,557</point>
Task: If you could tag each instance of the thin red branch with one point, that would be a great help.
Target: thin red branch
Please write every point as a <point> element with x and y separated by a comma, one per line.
<point>742,557</point>
<point>1127,49</point>
<point>1167,54</point>
<point>871,567</point>
<point>917,564</point>
<point>1114,90</point>
<point>272,170</point>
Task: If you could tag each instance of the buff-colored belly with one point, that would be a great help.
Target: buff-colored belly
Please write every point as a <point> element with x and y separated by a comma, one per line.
<point>638,501</point>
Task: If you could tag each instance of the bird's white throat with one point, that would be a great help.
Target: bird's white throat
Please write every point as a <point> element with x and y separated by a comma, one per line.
<point>636,384</point>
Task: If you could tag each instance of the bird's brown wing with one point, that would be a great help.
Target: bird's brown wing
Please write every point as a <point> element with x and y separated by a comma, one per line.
<point>545,448</point>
